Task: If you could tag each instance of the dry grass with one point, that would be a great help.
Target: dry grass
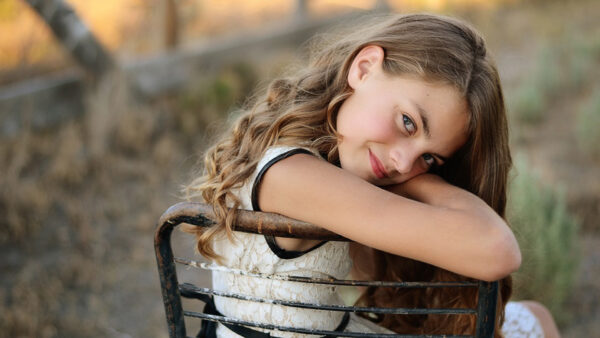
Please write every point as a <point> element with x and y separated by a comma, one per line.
<point>81,202</point>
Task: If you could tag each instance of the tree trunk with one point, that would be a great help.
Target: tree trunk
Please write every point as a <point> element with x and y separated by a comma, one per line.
<point>171,25</point>
<point>74,35</point>
<point>301,10</point>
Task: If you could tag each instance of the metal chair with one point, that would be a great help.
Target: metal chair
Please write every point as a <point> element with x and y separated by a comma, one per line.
<point>272,224</point>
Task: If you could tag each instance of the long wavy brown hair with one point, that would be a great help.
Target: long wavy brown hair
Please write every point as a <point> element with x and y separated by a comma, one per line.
<point>301,110</point>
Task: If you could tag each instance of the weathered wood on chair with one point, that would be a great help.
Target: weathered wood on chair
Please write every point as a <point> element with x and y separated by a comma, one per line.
<point>249,221</point>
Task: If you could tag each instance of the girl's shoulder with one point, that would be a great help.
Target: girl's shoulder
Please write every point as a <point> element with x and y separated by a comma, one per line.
<point>276,153</point>
<point>248,193</point>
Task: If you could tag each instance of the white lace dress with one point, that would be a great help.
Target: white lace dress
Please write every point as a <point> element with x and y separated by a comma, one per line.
<point>259,254</point>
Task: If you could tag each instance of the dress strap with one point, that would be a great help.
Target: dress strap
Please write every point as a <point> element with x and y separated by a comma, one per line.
<point>288,254</point>
<point>275,248</point>
<point>265,167</point>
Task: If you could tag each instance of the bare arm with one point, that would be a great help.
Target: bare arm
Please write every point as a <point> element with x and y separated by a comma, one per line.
<point>453,229</point>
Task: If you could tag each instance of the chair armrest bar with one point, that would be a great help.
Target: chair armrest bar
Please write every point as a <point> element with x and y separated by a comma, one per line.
<point>249,221</point>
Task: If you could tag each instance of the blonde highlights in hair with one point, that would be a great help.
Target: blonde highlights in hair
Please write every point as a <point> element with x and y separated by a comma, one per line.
<point>301,110</point>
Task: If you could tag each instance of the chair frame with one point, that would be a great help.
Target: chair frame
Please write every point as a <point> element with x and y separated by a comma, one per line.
<point>199,214</point>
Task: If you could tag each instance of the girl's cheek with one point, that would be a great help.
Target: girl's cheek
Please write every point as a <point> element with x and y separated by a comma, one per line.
<point>381,128</point>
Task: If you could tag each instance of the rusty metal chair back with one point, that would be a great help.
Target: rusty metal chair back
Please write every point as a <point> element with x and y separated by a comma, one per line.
<point>199,214</point>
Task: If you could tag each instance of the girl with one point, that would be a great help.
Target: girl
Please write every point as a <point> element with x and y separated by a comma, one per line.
<point>395,137</point>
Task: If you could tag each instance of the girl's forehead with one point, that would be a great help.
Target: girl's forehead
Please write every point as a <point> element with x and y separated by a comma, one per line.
<point>428,97</point>
<point>440,109</point>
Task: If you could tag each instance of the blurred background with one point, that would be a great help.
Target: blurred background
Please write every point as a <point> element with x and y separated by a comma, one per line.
<point>103,118</point>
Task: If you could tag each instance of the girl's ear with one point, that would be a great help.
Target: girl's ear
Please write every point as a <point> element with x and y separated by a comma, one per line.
<point>365,62</point>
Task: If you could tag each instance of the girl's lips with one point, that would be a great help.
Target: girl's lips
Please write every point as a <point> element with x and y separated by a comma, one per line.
<point>376,166</point>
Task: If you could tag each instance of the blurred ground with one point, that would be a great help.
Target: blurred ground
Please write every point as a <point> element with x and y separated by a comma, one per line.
<point>80,201</point>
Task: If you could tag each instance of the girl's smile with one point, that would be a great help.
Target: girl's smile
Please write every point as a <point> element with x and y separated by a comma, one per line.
<point>378,168</point>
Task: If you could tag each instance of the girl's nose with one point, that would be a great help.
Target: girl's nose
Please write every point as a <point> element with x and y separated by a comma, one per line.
<point>403,160</point>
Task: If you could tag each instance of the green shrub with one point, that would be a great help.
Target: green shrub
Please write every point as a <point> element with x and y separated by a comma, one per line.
<point>547,71</point>
<point>531,97</point>
<point>529,102</point>
<point>588,121</point>
<point>547,235</point>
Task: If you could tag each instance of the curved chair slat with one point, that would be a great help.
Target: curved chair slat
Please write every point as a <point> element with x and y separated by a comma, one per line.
<point>191,291</point>
<point>223,319</point>
<point>329,281</point>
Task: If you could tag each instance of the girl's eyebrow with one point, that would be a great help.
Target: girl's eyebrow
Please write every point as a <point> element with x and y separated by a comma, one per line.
<point>423,115</point>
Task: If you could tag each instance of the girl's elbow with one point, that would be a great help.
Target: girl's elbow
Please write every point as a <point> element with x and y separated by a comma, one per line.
<point>516,259</point>
<point>507,258</point>
<point>505,266</point>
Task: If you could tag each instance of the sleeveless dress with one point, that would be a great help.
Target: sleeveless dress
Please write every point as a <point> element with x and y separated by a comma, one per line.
<point>261,254</point>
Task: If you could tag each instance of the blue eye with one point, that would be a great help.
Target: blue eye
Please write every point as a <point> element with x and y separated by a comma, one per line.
<point>429,159</point>
<point>409,124</point>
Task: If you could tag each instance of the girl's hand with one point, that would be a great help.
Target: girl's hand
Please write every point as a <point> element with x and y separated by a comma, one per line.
<point>435,191</point>
<point>415,187</point>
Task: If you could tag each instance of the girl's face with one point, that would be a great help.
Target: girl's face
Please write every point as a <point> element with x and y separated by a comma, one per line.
<point>394,128</point>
